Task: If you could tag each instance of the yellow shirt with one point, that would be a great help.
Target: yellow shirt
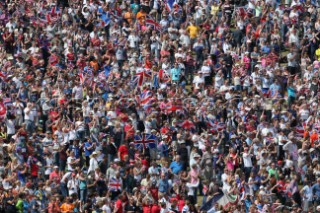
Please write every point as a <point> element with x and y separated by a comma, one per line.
<point>193,31</point>
<point>318,54</point>
<point>214,10</point>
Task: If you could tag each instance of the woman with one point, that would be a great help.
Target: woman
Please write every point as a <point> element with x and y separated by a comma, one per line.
<point>53,206</point>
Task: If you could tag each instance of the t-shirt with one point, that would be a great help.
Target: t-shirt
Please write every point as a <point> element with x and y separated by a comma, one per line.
<point>87,152</point>
<point>123,151</point>
<point>118,205</point>
<point>193,31</point>
<point>67,207</point>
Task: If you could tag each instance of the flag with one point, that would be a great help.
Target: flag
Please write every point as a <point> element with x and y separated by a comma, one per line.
<point>164,76</point>
<point>3,77</point>
<point>81,78</point>
<point>299,131</point>
<point>210,203</point>
<point>156,81</point>
<point>140,77</point>
<point>145,97</point>
<point>241,189</point>
<point>145,140</point>
<point>222,199</point>
<point>187,125</point>
<point>173,108</point>
<point>151,22</point>
<point>3,111</point>
<point>169,4</point>
<point>114,184</point>
<point>107,70</point>
<point>106,19</point>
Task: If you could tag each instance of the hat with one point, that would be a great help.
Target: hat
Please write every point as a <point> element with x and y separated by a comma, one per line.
<point>181,141</point>
<point>116,160</point>
<point>10,57</point>
<point>56,167</point>
<point>94,153</point>
<point>311,150</point>
<point>215,151</point>
<point>233,137</point>
<point>315,160</point>
<point>196,156</point>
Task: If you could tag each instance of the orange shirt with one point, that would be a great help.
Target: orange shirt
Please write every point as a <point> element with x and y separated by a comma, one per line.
<point>67,207</point>
<point>141,16</point>
<point>95,65</point>
<point>313,138</point>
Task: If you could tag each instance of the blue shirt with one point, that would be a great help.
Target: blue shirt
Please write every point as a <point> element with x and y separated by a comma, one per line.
<point>175,74</point>
<point>176,167</point>
<point>316,189</point>
<point>163,186</point>
<point>86,151</point>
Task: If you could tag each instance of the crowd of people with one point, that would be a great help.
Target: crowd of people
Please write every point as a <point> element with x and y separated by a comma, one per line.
<point>159,106</point>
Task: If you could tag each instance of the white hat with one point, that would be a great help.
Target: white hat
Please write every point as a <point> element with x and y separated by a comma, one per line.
<point>215,151</point>
<point>196,156</point>
<point>181,141</point>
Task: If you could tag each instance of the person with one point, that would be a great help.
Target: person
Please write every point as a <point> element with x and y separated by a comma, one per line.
<point>234,107</point>
<point>93,164</point>
<point>176,166</point>
<point>67,206</point>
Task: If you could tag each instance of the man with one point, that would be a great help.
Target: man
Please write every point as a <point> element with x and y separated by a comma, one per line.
<point>316,192</point>
<point>175,73</point>
<point>29,118</point>
<point>193,31</point>
<point>67,207</point>
<point>176,166</point>
<point>89,148</point>
<point>247,162</point>
<point>292,61</point>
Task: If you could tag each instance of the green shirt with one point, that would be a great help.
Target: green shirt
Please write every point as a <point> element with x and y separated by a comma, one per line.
<point>19,205</point>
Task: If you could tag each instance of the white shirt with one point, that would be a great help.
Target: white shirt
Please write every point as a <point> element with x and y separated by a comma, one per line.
<point>93,165</point>
<point>247,160</point>
<point>28,115</point>
<point>206,71</point>
<point>78,93</point>
<point>72,186</point>
<point>133,40</point>
<point>11,130</point>
<point>69,161</point>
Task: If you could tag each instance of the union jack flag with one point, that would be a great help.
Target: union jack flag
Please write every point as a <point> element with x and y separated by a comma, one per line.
<point>114,184</point>
<point>140,77</point>
<point>299,131</point>
<point>168,4</point>
<point>151,22</point>
<point>164,76</point>
<point>188,125</point>
<point>145,97</point>
<point>216,126</point>
<point>3,111</point>
<point>145,140</point>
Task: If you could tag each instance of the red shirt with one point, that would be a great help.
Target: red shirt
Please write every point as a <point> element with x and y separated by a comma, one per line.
<point>129,131</point>
<point>34,169</point>
<point>146,208</point>
<point>118,205</point>
<point>123,151</point>
<point>155,209</point>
